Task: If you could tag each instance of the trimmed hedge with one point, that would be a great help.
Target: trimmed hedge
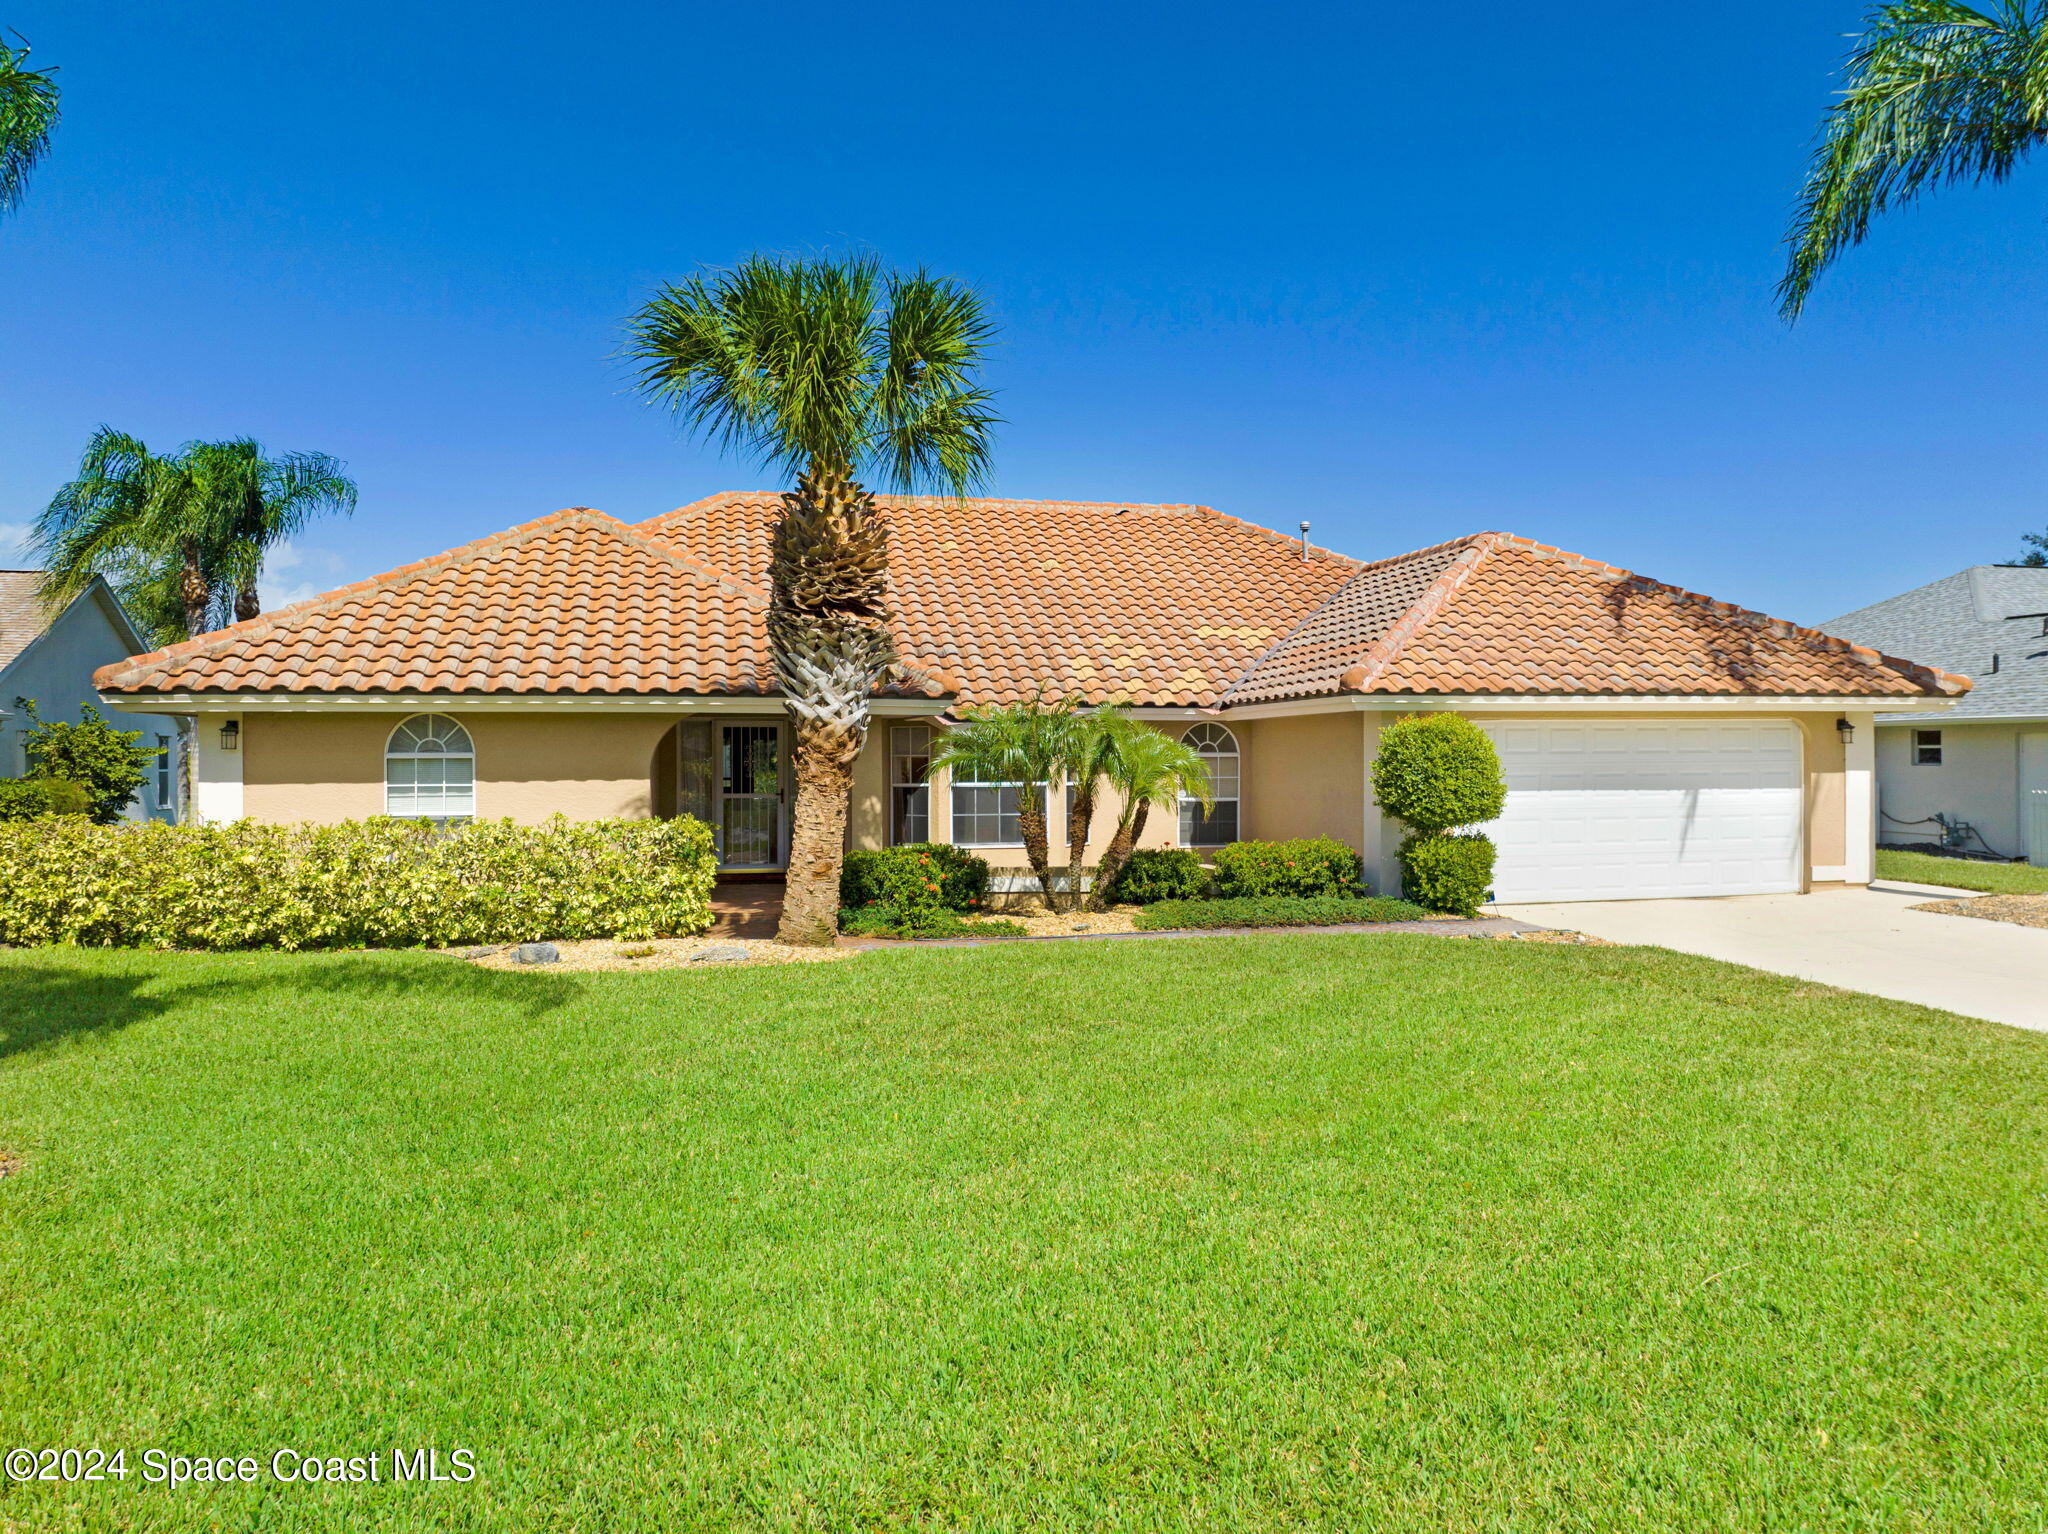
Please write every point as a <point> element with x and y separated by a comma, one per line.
<point>367,883</point>
<point>1448,873</point>
<point>1273,911</point>
<point>1437,772</point>
<point>1306,867</point>
<point>1160,873</point>
<point>914,877</point>
<point>889,921</point>
<point>39,798</point>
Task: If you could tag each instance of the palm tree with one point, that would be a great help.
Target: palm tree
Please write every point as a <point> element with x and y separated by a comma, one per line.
<point>1145,768</point>
<point>1098,739</point>
<point>182,535</point>
<point>28,112</point>
<point>837,373</point>
<point>1939,93</point>
<point>1031,744</point>
<point>264,501</point>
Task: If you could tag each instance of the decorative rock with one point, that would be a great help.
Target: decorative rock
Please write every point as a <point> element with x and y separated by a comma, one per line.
<point>480,951</point>
<point>536,953</point>
<point>723,953</point>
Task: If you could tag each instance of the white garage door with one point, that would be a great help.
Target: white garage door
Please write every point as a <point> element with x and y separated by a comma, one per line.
<point>1622,811</point>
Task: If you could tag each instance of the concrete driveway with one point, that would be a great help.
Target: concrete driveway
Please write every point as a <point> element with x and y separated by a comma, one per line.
<point>1859,939</point>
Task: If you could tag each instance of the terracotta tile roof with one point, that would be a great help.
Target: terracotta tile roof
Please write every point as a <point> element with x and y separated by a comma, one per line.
<point>1095,599</point>
<point>1501,614</point>
<point>575,602</point>
<point>996,599</point>
<point>22,614</point>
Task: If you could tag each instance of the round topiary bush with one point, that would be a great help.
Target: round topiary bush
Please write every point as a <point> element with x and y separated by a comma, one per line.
<point>1160,873</point>
<point>1447,873</point>
<point>1438,772</point>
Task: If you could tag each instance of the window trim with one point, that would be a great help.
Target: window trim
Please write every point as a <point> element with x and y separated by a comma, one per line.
<point>391,755</point>
<point>1922,743</point>
<point>1235,799</point>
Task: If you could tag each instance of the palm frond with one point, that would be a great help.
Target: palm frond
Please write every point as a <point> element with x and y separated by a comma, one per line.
<point>1939,93</point>
<point>28,116</point>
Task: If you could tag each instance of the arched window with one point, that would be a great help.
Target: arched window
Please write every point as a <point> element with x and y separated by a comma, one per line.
<point>430,769</point>
<point>1217,825</point>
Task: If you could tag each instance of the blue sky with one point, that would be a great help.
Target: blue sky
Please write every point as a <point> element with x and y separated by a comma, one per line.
<point>1404,271</point>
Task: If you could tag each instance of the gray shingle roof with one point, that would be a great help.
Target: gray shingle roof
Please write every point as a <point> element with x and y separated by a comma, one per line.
<point>1969,623</point>
<point>22,615</point>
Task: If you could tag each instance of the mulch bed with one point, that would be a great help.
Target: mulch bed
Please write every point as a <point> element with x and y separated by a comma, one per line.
<point>2019,910</point>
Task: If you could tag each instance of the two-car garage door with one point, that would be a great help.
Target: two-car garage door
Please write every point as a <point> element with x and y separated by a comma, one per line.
<point>1639,810</point>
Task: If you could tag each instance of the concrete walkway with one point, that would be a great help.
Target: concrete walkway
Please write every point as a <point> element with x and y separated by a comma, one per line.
<point>1858,939</point>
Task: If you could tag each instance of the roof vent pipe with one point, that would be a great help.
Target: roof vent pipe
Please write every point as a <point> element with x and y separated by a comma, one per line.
<point>1304,542</point>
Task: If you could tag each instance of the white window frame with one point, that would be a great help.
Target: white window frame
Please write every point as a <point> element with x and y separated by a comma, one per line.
<point>905,747</point>
<point>1924,743</point>
<point>166,772</point>
<point>962,817</point>
<point>1235,782</point>
<point>446,728</point>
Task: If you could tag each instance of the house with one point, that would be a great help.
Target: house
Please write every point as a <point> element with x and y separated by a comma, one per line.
<point>1655,742</point>
<point>1982,765</point>
<point>50,660</point>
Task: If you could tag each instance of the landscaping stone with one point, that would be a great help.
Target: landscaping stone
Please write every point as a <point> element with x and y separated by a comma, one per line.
<point>479,951</point>
<point>537,953</point>
<point>722,953</point>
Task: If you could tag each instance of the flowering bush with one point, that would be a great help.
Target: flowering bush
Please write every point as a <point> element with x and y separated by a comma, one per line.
<point>1309,865</point>
<point>920,876</point>
<point>367,883</point>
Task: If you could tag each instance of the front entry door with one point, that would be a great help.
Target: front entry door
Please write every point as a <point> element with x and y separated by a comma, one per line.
<point>750,794</point>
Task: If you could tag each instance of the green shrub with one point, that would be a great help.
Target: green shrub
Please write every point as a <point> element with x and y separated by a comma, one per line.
<point>892,921</point>
<point>919,876</point>
<point>36,798</point>
<point>1437,772</point>
<point>100,759</point>
<point>367,883</point>
<point>1447,873</point>
<point>1274,911</point>
<point>1160,873</point>
<point>1308,866</point>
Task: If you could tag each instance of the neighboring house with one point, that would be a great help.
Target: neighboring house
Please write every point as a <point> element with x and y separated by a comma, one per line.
<point>50,659</point>
<point>1655,742</point>
<point>1983,763</point>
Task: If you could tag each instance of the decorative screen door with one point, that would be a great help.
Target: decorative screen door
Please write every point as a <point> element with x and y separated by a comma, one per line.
<point>750,794</point>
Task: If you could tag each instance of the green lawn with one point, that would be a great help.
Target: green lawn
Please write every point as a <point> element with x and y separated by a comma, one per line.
<point>1962,873</point>
<point>1345,1233</point>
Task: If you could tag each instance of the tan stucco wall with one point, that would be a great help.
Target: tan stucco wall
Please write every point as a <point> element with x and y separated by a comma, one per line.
<point>1304,777</point>
<point>328,767</point>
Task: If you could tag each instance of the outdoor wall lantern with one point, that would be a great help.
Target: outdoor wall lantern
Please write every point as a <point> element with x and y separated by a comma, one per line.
<point>1846,730</point>
<point>231,735</point>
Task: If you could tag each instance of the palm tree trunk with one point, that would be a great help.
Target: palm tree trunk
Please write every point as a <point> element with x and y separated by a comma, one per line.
<point>1118,853</point>
<point>829,637</point>
<point>193,592</point>
<point>247,604</point>
<point>1037,847</point>
<point>1079,820</point>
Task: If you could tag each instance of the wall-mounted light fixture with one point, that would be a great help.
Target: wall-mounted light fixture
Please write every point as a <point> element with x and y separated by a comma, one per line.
<point>231,735</point>
<point>1846,730</point>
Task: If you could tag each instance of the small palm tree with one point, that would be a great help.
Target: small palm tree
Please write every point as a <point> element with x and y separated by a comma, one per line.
<point>841,375</point>
<point>1145,768</point>
<point>181,535</point>
<point>1099,738</point>
<point>1939,93</point>
<point>28,113</point>
<point>1031,744</point>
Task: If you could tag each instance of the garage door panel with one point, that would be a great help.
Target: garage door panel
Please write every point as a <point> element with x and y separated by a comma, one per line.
<point>1607,811</point>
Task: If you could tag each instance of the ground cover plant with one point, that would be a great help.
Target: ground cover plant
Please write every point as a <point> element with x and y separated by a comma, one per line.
<point>1962,873</point>
<point>1274,911</point>
<point>1286,1232</point>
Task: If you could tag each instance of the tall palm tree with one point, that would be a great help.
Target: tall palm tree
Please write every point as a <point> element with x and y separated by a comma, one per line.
<point>28,113</point>
<point>1145,768</point>
<point>839,374</point>
<point>1939,93</point>
<point>1031,744</point>
<point>262,502</point>
<point>180,535</point>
